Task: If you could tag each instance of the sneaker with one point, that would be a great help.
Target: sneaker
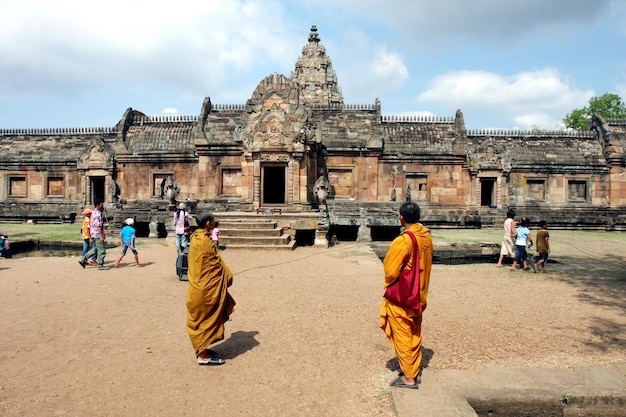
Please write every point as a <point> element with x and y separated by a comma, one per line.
<point>82,263</point>
<point>102,268</point>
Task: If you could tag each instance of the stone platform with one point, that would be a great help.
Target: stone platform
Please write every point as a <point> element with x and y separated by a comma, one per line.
<point>591,391</point>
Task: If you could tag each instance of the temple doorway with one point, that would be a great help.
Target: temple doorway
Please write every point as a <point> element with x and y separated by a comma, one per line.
<point>273,183</point>
<point>488,192</point>
<point>96,185</point>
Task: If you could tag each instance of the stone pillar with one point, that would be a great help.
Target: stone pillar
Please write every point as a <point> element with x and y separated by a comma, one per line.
<point>154,231</point>
<point>323,224</point>
<point>364,233</point>
<point>256,184</point>
<point>320,237</point>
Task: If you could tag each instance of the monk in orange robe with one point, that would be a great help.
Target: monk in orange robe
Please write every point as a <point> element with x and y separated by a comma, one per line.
<point>209,305</point>
<point>402,325</point>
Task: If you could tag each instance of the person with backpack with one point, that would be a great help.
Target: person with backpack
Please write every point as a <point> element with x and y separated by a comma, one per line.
<point>181,226</point>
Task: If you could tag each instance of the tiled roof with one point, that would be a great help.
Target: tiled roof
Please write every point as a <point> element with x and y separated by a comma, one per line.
<point>43,149</point>
<point>565,152</point>
<point>164,137</point>
<point>419,138</point>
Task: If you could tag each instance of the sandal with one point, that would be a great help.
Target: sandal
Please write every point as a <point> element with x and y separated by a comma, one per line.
<point>214,361</point>
<point>398,382</point>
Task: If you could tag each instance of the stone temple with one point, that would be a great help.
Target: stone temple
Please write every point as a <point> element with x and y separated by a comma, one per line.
<point>298,149</point>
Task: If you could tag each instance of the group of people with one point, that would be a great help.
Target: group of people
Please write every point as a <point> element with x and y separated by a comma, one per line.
<point>182,228</point>
<point>94,249</point>
<point>518,240</point>
<point>5,249</point>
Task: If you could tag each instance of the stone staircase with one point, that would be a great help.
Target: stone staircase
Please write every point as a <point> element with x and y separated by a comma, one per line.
<point>253,233</point>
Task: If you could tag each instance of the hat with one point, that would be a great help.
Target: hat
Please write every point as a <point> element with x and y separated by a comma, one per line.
<point>182,206</point>
<point>87,212</point>
<point>130,221</point>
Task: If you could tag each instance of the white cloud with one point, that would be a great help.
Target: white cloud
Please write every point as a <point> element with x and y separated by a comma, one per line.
<point>498,22</point>
<point>67,47</point>
<point>374,67</point>
<point>535,98</point>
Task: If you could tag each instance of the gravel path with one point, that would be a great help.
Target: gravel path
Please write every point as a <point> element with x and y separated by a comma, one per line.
<point>304,338</point>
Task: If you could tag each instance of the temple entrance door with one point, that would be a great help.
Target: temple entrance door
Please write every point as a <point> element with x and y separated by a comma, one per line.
<point>273,183</point>
<point>96,185</point>
<point>487,192</point>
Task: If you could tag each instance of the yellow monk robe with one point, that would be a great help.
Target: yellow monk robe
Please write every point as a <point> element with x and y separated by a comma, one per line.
<point>403,326</point>
<point>208,303</point>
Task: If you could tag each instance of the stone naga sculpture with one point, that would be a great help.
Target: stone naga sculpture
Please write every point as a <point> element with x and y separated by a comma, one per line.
<point>170,189</point>
<point>321,189</point>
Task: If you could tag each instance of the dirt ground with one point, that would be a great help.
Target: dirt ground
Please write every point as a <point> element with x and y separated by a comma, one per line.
<point>304,338</point>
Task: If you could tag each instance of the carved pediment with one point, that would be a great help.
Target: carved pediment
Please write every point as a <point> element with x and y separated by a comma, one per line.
<point>275,118</point>
<point>98,156</point>
<point>489,154</point>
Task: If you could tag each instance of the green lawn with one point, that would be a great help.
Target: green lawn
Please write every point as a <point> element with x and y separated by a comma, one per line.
<point>47,232</point>
<point>71,232</point>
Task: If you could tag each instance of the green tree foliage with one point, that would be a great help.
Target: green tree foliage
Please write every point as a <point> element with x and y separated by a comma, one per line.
<point>607,105</point>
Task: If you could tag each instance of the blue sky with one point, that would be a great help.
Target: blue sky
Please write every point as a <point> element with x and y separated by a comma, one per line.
<point>505,63</point>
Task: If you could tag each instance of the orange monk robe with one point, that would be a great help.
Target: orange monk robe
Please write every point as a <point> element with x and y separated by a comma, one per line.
<point>403,326</point>
<point>208,303</point>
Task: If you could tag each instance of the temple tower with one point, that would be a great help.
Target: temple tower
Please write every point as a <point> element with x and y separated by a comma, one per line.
<point>315,76</point>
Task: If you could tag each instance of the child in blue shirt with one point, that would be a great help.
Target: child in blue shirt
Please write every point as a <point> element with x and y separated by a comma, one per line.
<point>128,241</point>
<point>523,238</point>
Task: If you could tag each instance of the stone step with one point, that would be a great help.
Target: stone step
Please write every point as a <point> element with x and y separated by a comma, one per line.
<point>228,241</point>
<point>246,224</point>
<point>289,246</point>
<point>226,233</point>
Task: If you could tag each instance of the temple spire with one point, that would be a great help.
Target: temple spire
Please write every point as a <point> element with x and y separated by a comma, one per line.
<point>314,74</point>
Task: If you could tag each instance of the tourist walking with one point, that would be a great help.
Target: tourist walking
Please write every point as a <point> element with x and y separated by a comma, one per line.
<point>215,235</point>
<point>128,241</point>
<point>87,243</point>
<point>543,246</point>
<point>181,226</point>
<point>209,305</point>
<point>96,228</point>
<point>401,319</point>
<point>508,240</point>
<point>523,238</point>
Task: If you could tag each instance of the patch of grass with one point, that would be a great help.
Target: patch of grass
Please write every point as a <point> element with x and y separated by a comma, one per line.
<point>47,232</point>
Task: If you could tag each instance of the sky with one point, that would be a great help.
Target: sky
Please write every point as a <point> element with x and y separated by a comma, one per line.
<point>506,64</point>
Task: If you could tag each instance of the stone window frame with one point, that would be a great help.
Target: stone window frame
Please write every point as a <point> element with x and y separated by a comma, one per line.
<point>342,168</point>
<point>575,199</point>
<point>11,179</point>
<point>544,181</point>
<point>220,176</point>
<point>156,191</point>
<point>55,177</point>
<point>418,194</point>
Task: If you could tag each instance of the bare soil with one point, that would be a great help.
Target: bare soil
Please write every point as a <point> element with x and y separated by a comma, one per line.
<point>304,338</point>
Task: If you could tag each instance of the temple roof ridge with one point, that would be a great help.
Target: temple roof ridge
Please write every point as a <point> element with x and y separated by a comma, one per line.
<point>57,131</point>
<point>417,118</point>
<point>166,118</point>
<point>529,132</point>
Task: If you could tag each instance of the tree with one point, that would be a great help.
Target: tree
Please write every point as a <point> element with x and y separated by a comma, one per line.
<point>607,105</point>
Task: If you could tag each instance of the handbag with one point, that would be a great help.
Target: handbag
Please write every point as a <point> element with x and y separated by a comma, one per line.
<point>405,291</point>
